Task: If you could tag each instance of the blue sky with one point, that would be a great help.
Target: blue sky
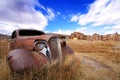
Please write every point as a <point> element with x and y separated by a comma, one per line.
<point>61,16</point>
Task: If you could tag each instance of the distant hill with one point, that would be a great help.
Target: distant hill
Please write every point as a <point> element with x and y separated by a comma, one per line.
<point>3,37</point>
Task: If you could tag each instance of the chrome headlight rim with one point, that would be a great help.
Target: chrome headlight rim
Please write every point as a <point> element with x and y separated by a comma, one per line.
<point>48,55</point>
<point>39,45</point>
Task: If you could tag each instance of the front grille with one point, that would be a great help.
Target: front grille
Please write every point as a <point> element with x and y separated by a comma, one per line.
<point>55,48</point>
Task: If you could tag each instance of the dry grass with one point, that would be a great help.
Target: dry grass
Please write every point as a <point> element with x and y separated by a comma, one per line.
<point>4,70</point>
<point>107,52</point>
<point>104,49</point>
<point>68,70</point>
<point>71,68</point>
<point>93,46</point>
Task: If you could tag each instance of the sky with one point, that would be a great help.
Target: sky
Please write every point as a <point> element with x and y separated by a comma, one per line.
<point>61,16</point>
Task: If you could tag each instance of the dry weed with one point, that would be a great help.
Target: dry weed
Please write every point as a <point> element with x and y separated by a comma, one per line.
<point>71,68</point>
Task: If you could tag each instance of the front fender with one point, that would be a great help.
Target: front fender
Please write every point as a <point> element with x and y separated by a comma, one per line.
<point>20,60</point>
<point>67,51</point>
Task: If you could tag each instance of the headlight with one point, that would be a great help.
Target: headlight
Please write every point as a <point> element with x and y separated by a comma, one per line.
<point>42,47</point>
<point>39,45</point>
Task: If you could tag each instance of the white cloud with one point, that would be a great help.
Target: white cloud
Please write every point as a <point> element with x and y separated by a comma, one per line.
<point>83,30</point>
<point>74,18</point>
<point>58,13</point>
<point>116,27</point>
<point>107,27</point>
<point>51,14</point>
<point>111,29</point>
<point>100,13</point>
<point>67,32</point>
<point>22,14</point>
<point>6,28</point>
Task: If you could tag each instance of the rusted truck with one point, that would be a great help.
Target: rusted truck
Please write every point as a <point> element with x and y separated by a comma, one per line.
<point>33,48</point>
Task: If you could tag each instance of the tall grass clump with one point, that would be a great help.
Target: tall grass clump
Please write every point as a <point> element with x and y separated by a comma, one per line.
<point>68,70</point>
<point>4,70</point>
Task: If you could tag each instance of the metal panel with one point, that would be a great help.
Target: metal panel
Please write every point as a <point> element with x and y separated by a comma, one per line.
<point>55,47</point>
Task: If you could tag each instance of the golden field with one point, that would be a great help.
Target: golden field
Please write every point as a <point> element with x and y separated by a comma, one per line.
<point>93,60</point>
<point>106,55</point>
